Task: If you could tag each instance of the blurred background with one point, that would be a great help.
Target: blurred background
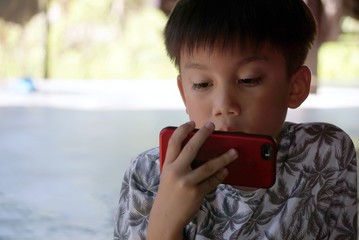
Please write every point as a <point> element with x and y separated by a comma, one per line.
<point>86,85</point>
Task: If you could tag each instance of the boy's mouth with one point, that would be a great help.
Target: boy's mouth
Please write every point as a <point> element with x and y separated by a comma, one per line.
<point>225,128</point>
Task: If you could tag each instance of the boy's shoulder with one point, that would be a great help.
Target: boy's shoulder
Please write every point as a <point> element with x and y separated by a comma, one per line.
<point>319,141</point>
<point>316,130</point>
<point>152,154</point>
<point>146,160</point>
<point>143,173</point>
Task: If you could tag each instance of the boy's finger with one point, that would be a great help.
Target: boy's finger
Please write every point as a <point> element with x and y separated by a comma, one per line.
<point>211,168</point>
<point>175,142</point>
<point>211,183</point>
<point>192,147</point>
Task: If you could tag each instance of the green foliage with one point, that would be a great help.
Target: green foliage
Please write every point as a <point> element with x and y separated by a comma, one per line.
<point>88,40</point>
<point>338,62</point>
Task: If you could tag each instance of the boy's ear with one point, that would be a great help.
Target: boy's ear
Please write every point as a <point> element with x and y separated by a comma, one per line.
<point>299,86</point>
<point>180,88</point>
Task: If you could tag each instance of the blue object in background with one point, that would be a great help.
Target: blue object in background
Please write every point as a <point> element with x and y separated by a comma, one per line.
<point>25,85</point>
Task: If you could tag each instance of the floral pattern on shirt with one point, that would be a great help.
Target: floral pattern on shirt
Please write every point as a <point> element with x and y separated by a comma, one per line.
<point>314,197</point>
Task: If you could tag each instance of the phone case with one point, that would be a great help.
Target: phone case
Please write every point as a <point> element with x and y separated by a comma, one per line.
<point>255,165</point>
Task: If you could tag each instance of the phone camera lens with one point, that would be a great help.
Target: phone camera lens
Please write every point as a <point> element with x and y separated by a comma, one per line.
<point>266,151</point>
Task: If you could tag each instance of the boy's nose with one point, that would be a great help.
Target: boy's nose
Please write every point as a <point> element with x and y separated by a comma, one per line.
<point>226,105</point>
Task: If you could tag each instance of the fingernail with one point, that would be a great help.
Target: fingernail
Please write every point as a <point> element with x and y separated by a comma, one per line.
<point>233,153</point>
<point>224,172</point>
<point>191,123</point>
<point>209,125</point>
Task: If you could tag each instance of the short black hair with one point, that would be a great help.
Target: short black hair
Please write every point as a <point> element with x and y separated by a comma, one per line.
<point>288,25</point>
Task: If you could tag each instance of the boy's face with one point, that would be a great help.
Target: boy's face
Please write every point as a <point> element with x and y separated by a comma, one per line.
<point>237,90</point>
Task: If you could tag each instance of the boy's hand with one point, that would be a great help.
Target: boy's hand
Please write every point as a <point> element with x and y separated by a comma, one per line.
<point>182,189</point>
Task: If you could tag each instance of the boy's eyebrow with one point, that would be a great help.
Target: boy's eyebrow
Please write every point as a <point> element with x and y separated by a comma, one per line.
<point>243,61</point>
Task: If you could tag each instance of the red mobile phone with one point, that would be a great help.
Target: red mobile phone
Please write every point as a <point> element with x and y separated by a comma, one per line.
<point>255,165</point>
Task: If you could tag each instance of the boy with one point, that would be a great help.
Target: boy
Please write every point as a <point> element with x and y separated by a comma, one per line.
<point>240,68</point>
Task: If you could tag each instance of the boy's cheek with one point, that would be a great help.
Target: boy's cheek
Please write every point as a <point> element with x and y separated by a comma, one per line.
<point>198,116</point>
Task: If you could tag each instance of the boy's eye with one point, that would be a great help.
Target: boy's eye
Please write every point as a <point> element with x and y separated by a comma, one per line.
<point>249,81</point>
<point>200,86</point>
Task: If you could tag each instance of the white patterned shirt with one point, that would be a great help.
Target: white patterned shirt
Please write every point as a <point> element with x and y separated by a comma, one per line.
<point>314,196</point>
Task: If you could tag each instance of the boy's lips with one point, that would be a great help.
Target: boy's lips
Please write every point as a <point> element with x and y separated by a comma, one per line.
<point>228,129</point>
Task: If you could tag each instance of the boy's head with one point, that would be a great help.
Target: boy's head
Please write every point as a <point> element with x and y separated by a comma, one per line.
<point>287,25</point>
<point>240,61</point>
